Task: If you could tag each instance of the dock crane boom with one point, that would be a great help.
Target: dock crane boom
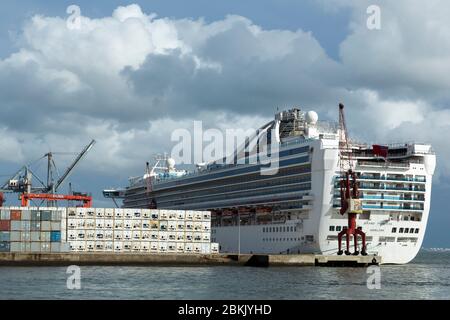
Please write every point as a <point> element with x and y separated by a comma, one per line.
<point>54,188</point>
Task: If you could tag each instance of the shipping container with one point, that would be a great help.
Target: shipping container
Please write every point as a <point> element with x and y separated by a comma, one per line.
<point>197,248</point>
<point>55,236</point>
<point>55,247</point>
<point>172,247</point>
<point>163,225</point>
<point>99,246</point>
<point>137,214</point>
<point>63,247</point>
<point>71,224</point>
<point>127,246</point>
<point>146,235</point>
<point>198,216</point>
<point>127,224</point>
<point>81,223</point>
<point>46,215</point>
<point>136,246</point>
<point>189,215</point>
<point>154,246</point>
<point>180,215</point>
<point>180,247</point>
<point>109,234</point>
<point>16,215</point>
<point>99,212</point>
<point>119,213</point>
<point>35,225</point>
<point>172,215</point>
<point>188,247</point>
<point>25,226</point>
<point>146,225</point>
<point>90,213</point>
<point>35,236</point>
<point>129,213</point>
<point>45,246</point>
<point>180,236</point>
<point>189,237</point>
<point>25,236</point>
<point>206,237</point>
<point>154,225</point>
<point>5,214</point>
<point>5,247</point>
<point>118,224</point>
<point>56,215</point>
<point>72,235</point>
<point>189,226</point>
<point>90,223</point>
<point>137,224</point>
<point>45,236</point>
<point>35,215</point>
<point>118,246</point>
<point>172,236</point>
<point>16,247</point>
<point>109,224</point>
<point>5,236</point>
<point>81,234</point>
<point>180,226</point>
<point>154,235</point>
<point>16,225</point>
<point>163,236</point>
<point>71,213</point>
<point>197,236</point>
<point>5,225</point>
<point>154,214</point>
<point>118,235</point>
<point>214,248</point>
<point>100,223</point>
<point>206,248</point>
<point>46,226</point>
<point>206,226</point>
<point>162,247</point>
<point>99,235</point>
<point>206,216</point>
<point>16,236</point>
<point>90,246</point>
<point>26,215</point>
<point>136,235</point>
<point>55,226</point>
<point>109,213</point>
<point>198,226</point>
<point>127,235</point>
<point>109,246</point>
<point>146,213</point>
<point>145,246</point>
<point>35,247</point>
<point>81,213</point>
<point>81,245</point>
<point>172,225</point>
<point>163,215</point>
<point>91,235</point>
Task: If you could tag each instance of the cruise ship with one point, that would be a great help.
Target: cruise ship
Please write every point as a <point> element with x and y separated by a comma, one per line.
<point>296,209</point>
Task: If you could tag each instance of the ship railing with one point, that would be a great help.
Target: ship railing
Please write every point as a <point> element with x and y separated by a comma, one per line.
<point>384,178</point>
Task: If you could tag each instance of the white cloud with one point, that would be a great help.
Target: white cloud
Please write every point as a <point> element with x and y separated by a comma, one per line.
<point>128,80</point>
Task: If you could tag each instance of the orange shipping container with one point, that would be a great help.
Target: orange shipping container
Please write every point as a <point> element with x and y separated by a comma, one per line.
<point>16,215</point>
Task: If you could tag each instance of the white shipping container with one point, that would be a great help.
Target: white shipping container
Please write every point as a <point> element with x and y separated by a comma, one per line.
<point>206,216</point>
<point>189,237</point>
<point>163,236</point>
<point>56,215</point>
<point>136,235</point>
<point>109,246</point>
<point>180,215</point>
<point>154,246</point>
<point>180,225</point>
<point>90,223</point>
<point>45,236</point>
<point>80,245</point>
<point>99,212</point>
<point>109,213</point>
<point>154,214</point>
<point>72,235</point>
<point>99,235</point>
<point>109,224</point>
<point>26,215</point>
<point>5,214</point>
<point>16,225</point>
<point>81,212</point>
<point>171,247</point>
<point>172,236</point>
<point>145,246</point>
<point>163,225</point>
<point>146,213</point>
<point>137,214</point>
<point>15,236</point>
<point>154,235</point>
<point>35,247</point>
<point>119,213</point>
<point>100,223</point>
<point>189,226</point>
<point>100,246</point>
<point>109,234</point>
<point>189,215</point>
<point>180,236</point>
<point>172,215</point>
<point>56,226</point>
<point>214,248</point>
<point>127,246</point>
<point>46,226</point>
<point>172,225</point>
<point>145,235</point>
<point>188,248</point>
<point>35,236</point>
<point>72,224</point>
<point>64,247</point>
<point>90,246</point>
<point>197,236</point>
<point>81,235</point>
<point>129,213</point>
<point>55,247</point>
<point>127,235</point>
<point>137,224</point>
<point>145,224</point>
<point>118,246</point>
<point>162,247</point>
<point>180,247</point>
<point>198,216</point>
<point>91,235</point>
<point>206,237</point>
<point>25,236</point>
<point>16,247</point>
<point>206,226</point>
<point>118,224</point>
<point>71,212</point>
<point>128,224</point>
<point>118,235</point>
<point>206,248</point>
<point>163,215</point>
<point>136,246</point>
<point>198,226</point>
<point>90,213</point>
<point>197,248</point>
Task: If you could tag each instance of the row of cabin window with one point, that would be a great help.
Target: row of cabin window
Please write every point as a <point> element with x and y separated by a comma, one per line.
<point>280,239</point>
<point>405,230</point>
<point>280,229</point>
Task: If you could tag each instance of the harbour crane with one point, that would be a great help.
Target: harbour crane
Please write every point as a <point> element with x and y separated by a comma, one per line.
<point>21,182</point>
<point>349,192</point>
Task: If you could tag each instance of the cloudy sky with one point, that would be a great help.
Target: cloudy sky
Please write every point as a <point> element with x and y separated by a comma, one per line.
<point>135,71</point>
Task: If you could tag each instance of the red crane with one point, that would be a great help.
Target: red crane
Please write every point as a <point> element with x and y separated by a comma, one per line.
<point>26,197</point>
<point>350,202</point>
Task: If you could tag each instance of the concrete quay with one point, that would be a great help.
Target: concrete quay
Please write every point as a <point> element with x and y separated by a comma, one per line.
<point>142,259</point>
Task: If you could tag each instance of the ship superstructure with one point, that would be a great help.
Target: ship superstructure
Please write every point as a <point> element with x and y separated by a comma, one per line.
<point>296,209</point>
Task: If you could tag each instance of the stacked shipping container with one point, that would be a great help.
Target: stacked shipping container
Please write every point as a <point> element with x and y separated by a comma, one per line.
<point>31,230</point>
<point>105,230</point>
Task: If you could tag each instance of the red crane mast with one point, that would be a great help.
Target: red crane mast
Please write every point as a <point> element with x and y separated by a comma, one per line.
<point>348,184</point>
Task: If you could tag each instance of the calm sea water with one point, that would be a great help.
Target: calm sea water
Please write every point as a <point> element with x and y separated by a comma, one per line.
<point>427,277</point>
